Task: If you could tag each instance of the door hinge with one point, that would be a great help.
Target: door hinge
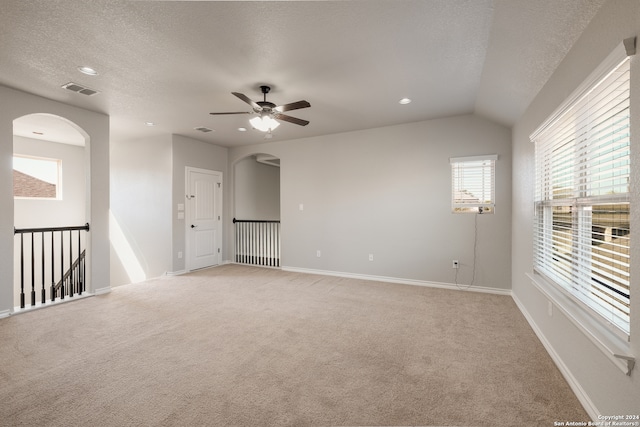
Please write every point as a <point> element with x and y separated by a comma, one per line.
<point>219,184</point>
<point>218,250</point>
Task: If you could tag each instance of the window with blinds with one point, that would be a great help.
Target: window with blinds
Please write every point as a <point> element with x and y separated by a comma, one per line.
<point>581,220</point>
<point>473,184</point>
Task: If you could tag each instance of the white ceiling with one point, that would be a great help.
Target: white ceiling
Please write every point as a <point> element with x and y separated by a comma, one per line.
<point>173,62</point>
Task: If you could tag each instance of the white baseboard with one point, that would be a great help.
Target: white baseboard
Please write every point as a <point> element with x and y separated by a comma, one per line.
<point>49,303</point>
<point>102,291</point>
<point>566,373</point>
<point>175,273</point>
<point>5,313</point>
<point>258,266</point>
<point>181,272</point>
<point>413,282</point>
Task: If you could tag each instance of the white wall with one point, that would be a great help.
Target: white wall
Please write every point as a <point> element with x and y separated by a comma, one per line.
<point>386,192</point>
<point>256,190</point>
<point>93,125</point>
<point>141,208</point>
<point>68,211</point>
<point>148,182</point>
<point>71,209</point>
<point>602,387</point>
<point>197,154</point>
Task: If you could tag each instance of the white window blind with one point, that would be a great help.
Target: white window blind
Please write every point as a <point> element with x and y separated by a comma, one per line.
<point>581,224</point>
<point>473,184</point>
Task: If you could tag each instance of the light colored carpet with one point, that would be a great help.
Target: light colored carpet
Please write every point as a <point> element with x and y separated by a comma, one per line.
<point>246,346</point>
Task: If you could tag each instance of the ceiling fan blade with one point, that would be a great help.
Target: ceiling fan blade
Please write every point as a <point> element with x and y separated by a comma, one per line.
<point>235,112</point>
<point>246,99</point>
<point>292,106</point>
<point>290,119</point>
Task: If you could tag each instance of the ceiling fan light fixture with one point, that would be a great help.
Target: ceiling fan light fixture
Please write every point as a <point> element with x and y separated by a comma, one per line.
<point>405,101</point>
<point>264,123</point>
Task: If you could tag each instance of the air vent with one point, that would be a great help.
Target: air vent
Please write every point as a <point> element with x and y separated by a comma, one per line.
<point>204,129</point>
<point>75,87</point>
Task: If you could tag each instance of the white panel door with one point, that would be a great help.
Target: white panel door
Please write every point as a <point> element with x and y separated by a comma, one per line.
<point>204,215</point>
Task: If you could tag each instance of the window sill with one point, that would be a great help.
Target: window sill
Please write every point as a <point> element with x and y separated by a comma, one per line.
<point>613,346</point>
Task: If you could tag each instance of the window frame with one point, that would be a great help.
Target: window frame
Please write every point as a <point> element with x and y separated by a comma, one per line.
<point>593,322</point>
<point>481,168</point>
<point>57,184</point>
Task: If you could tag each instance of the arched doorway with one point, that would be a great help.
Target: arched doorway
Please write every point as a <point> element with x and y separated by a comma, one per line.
<point>51,202</point>
<point>257,210</point>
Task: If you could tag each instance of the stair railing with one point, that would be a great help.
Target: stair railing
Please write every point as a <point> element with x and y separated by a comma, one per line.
<point>257,242</point>
<point>58,269</point>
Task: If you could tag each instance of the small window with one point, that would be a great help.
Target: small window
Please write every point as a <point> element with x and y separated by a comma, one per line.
<point>473,184</point>
<point>36,178</point>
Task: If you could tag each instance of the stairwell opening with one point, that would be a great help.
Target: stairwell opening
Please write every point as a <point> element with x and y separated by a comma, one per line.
<point>256,210</point>
<point>49,265</point>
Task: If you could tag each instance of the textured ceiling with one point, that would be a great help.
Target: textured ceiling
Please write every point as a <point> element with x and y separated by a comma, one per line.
<point>173,62</point>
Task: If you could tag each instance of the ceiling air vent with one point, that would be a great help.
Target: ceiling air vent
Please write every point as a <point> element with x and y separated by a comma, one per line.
<point>75,87</point>
<point>203,129</point>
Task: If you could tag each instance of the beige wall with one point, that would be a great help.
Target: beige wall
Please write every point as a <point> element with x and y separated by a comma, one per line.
<point>256,190</point>
<point>140,208</point>
<point>603,387</point>
<point>386,192</point>
<point>148,182</point>
<point>95,127</point>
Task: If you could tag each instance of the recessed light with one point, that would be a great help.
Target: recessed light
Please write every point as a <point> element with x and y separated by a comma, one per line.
<point>242,129</point>
<point>88,71</point>
<point>404,101</point>
<point>149,124</point>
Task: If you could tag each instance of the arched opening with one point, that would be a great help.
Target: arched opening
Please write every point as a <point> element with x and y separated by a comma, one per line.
<point>257,210</point>
<point>50,193</point>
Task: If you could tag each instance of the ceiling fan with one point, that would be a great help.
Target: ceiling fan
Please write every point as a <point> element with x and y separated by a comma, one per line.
<point>268,112</point>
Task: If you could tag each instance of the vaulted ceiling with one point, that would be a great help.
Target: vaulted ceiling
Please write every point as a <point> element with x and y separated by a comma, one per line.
<point>173,62</point>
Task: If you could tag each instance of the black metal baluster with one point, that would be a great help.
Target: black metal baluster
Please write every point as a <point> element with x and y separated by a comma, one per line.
<point>62,291</point>
<point>72,290</point>
<point>82,277</point>
<point>53,275</point>
<point>21,270</point>
<point>33,275</point>
<point>44,291</point>
<point>277,261</point>
<point>78,275</point>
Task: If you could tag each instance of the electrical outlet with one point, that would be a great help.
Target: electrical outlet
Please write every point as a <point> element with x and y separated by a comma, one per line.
<point>318,253</point>
<point>180,255</point>
<point>370,257</point>
<point>455,264</point>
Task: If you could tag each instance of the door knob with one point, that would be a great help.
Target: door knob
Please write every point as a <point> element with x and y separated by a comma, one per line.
<point>193,226</point>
